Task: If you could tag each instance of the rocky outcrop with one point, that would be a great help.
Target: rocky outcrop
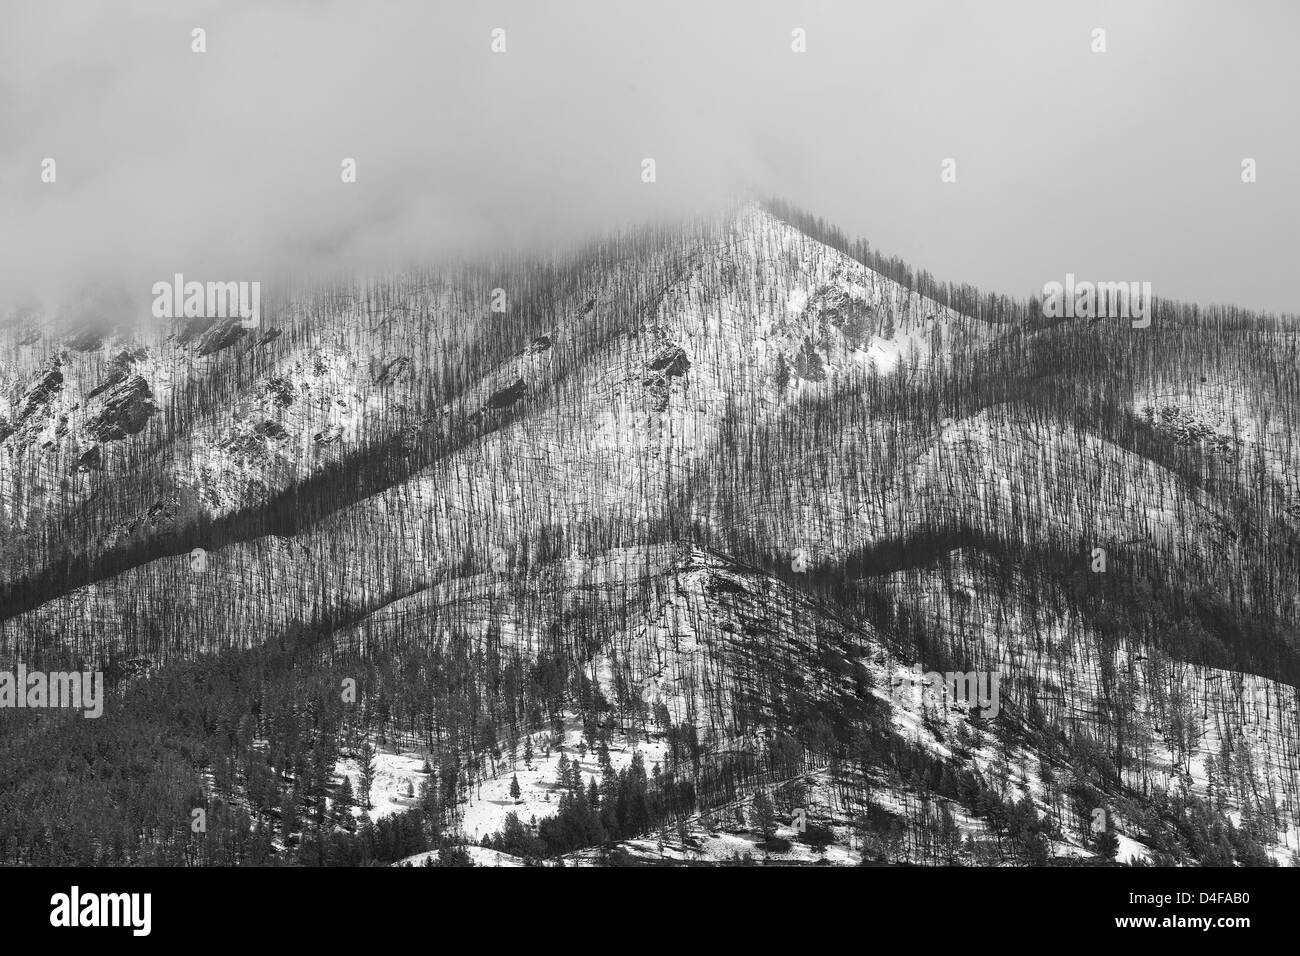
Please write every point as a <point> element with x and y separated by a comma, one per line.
<point>122,410</point>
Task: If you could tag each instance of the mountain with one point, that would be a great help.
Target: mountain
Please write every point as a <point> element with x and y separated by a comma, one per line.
<point>662,550</point>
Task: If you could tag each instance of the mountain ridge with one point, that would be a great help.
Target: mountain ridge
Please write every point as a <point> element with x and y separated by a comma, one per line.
<point>732,480</point>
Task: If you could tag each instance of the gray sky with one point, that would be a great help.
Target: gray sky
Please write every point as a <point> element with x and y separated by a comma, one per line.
<point>1117,166</point>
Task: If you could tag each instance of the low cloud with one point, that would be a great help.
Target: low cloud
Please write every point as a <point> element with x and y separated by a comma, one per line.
<point>226,164</point>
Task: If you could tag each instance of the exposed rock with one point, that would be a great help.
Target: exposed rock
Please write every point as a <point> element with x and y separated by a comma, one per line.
<point>115,377</point>
<point>91,460</point>
<point>281,390</point>
<point>220,336</point>
<point>189,330</point>
<point>45,385</point>
<point>507,396</point>
<point>855,319</point>
<point>123,410</point>
<point>272,429</point>
<point>87,340</point>
<point>391,370</point>
<point>671,362</point>
<point>118,369</point>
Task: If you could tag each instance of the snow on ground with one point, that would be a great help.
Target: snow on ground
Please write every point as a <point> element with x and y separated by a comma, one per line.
<point>1130,850</point>
<point>1031,646</point>
<point>481,856</point>
<point>396,785</point>
<point>398,776</point>
<point>486,811</point>
<point>1237,425</point>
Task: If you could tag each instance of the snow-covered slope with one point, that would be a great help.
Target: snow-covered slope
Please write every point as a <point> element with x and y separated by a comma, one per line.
<point>742,483</point>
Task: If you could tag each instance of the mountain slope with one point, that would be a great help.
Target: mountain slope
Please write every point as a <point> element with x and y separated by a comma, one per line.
<point>704,496</point>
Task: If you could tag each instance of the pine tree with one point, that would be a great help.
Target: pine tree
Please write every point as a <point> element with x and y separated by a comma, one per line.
<point>763,816</point>
<point>366,757</point>
<point>343,801</point>
<point>1107,844</point>
<point>514,787</point>
<point>562,773</point>
<point>429,797</point>
<point>602,755</point>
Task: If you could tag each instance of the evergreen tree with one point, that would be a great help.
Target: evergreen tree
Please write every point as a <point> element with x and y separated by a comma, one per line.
<point>343,802</point>
<point>763,815</point>
<point>1106,844</point>
<point>366,757</point>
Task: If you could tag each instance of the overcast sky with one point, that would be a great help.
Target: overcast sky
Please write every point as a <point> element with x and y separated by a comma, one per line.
<point>1123,165</point>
